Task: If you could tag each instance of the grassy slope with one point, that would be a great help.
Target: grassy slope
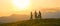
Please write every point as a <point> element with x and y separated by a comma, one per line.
<point>43,22</point>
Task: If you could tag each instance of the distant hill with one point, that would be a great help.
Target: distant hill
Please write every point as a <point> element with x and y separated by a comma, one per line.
<point>50,12</point>
<point>13,18</point>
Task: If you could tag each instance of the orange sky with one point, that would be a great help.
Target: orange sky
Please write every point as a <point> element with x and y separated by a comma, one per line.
<point>6,6</point>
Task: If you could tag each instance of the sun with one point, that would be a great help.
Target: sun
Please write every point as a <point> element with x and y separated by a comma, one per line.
<point>21,4</point>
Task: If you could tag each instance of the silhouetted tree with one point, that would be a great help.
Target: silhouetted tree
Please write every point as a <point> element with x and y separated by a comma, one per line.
<point>35,15</point>
<point>31,17</point>
<point>39,15</point>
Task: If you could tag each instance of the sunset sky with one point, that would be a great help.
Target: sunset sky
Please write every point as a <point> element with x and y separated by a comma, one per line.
<point>8,7</point>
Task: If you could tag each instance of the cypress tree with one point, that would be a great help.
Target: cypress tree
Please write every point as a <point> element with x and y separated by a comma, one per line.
<point>35,15</point>
<point>39,15</point>
<point>31,17</point>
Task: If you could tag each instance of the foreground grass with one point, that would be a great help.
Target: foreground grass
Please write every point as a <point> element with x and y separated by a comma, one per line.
<point>42,22</point>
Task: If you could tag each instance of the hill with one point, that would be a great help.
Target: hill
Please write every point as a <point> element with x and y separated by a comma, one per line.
<point>13,18</point>
<point>42,22</point>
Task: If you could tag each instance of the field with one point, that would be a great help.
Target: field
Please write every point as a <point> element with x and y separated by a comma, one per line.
<point>41,22</point>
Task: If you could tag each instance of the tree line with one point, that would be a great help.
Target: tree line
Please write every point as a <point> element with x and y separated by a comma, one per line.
<point>36,15</point>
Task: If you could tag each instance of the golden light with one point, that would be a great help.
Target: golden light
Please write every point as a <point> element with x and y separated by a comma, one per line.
<point>21,4</point>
